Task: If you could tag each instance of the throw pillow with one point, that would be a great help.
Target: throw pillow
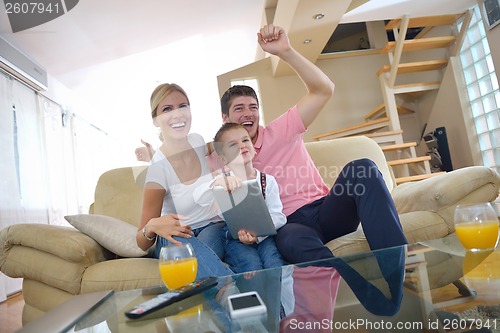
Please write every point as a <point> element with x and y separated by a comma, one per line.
<point>111,233</point>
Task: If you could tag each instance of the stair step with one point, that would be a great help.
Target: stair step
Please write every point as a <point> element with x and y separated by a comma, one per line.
<point>417,87</point>
<point>401,180</point>
<point>409,160</point>
<point>399,146</point>
<point>365,127</point>
<point>379,111</point>
<point>421,44</point>
<point>425,21</point>
<point>375,113</point>
<point>413,67</point>
<point>387,133</point>
<point>386,137</point>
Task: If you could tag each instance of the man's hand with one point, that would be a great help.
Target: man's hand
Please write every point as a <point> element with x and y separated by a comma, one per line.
<point>145,153</point>
<point>273,39</point>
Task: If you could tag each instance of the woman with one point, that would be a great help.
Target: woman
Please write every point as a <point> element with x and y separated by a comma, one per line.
<point>169,213</point>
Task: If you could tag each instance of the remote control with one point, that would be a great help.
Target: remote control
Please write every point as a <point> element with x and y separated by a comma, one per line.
<point>171,297</point>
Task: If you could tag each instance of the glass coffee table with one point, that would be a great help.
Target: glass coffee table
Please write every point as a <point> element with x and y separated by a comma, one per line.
<point>433,286</point>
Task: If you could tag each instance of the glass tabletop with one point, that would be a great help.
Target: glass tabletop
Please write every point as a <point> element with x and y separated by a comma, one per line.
<point>379,291</point>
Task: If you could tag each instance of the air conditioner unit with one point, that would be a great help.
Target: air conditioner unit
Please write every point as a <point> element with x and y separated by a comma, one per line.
<point>22,67</point>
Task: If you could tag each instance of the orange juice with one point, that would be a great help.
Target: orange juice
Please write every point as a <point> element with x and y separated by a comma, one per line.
<point>478,236</point>
<point>177,273</point>
<point>473,259</point>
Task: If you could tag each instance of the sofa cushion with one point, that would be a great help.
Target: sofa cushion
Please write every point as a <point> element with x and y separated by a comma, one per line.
<point>123,274</point>
<point>31,313</point>
<point>423,225</point>
<point>417,226</point>
<point>119,192</point>
<point>330,156</point>
<point>111,233</point>
<point>42,296</point>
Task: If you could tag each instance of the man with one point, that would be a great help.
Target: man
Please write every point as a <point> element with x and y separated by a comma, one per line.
<point>315,214</point>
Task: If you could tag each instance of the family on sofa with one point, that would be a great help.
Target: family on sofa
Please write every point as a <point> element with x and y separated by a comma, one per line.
<point>314,213</point>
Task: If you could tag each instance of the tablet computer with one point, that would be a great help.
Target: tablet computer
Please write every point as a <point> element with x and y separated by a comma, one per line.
<point>245,208</point>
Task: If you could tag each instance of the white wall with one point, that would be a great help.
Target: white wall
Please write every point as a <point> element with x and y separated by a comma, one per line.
<point>450,109</point>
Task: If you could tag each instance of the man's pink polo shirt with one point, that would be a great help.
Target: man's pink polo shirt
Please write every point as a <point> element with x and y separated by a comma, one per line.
<point>281,152</point>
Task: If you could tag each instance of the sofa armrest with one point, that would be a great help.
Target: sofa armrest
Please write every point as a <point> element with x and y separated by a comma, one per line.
<point>64,242</point>
<point>54,255</point>
<point>447,190</point>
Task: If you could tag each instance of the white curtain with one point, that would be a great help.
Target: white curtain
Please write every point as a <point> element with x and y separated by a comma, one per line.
<point>49,167</point>
<point>11,210</point>
<point>37,163</point>
<point>9,196</point>
<point>57,154</point>
<point>23,199</point>
<point>29,162</point>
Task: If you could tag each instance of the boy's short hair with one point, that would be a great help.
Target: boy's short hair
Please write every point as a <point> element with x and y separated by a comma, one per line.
<point>223,129</point>
<point>233,92</point>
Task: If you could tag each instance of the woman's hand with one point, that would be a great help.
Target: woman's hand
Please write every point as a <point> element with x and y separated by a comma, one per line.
<point>170,225</point>
<point>246,237</point>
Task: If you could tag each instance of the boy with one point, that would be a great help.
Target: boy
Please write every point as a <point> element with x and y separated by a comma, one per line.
<point>248,253</point>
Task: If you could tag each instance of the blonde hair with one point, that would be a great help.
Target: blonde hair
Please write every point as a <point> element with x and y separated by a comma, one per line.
<point>162,91</point>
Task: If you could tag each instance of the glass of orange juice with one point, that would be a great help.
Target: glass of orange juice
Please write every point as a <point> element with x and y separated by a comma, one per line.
<point>476,226</point>
<point>178,265</point>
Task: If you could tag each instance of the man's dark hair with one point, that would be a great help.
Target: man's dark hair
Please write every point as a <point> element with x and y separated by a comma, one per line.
<point>233,92</point>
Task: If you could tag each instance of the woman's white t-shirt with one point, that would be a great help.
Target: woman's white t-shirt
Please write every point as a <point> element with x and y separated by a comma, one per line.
<point>179,197</point>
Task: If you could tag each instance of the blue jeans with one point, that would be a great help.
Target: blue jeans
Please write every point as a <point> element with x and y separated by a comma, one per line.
<point>211,236</point>
<point>209,262</point>
<point>244,258</point>
<point>359,195</point>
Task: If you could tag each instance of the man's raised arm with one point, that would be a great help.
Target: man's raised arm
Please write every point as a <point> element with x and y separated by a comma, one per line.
<point>274,40</point>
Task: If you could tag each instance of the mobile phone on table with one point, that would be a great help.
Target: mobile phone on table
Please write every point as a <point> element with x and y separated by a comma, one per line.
<point>246,305</point>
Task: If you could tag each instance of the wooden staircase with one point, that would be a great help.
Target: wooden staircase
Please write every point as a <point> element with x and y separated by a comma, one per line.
<point>366,127</point>
<point>383,122</point>
<point>379,111</point>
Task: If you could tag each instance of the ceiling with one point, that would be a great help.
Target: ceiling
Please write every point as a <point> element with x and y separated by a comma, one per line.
<point>96,31</point>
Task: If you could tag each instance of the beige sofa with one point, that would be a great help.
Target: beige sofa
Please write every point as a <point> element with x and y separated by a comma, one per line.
<point>58,262</point>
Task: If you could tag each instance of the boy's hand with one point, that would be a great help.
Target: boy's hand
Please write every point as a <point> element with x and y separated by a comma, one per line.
<point>229,183</point>
<point>246,237</point>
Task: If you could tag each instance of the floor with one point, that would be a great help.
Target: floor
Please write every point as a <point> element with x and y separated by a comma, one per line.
<point>486,277</point>
<point>11,312</point>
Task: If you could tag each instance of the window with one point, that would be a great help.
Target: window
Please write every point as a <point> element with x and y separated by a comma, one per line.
<point>254,83</point>
<point>482,88</point>
<point>491,11</point>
